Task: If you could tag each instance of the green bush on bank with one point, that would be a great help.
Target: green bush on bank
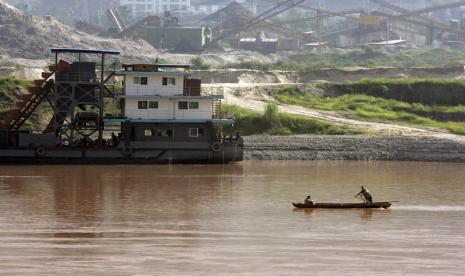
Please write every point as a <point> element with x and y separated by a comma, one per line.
<point>273,122</point>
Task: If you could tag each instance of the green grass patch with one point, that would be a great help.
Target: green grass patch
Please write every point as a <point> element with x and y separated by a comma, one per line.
<point>8,87</point>
<point>371,108</point>
<point>273,122</point>
<point>8,84</point>
<point>430,91</point>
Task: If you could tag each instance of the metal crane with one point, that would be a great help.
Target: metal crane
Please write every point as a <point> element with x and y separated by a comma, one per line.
<point>274,11</point>
<point>402,11</point>
<point>431,9</point>
<point>427,22</point>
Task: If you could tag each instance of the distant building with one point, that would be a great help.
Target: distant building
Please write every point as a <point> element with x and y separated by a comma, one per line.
<point>137,9</point>
<point>179,39</point>
<point>209,7</point>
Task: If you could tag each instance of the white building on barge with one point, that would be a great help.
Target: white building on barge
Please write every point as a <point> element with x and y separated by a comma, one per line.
<point>166,92</point>
<point>163,107</point>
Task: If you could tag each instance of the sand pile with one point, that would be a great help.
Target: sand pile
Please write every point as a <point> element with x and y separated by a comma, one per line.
<point>31,37</point>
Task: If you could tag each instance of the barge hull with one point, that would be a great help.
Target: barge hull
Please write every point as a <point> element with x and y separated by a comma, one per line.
<point>116,156</point>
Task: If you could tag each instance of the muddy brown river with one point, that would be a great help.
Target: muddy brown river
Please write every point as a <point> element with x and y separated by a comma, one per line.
<point>231,220</point>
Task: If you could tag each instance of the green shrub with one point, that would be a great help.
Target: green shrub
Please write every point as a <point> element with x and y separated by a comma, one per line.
<point>272,116</point>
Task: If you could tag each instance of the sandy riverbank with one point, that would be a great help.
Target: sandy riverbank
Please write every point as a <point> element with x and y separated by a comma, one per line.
<point>394,148</point>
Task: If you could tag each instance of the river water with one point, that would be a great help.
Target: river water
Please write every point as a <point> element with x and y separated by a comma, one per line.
<point>231,220</point>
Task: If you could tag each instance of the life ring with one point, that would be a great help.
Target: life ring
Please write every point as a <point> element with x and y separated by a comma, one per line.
<point>41,151</point>
<point>216,147</point>
<point>128,151</point>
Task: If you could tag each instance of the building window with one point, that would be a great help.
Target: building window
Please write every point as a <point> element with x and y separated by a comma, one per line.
<point>153,105</point>
<point>193,132</point>
<point>188,105</point>
<point>142,104</point>
<point>140,80</point>
<point>168,81</point>
<point>158,132</point>
<point>193,105</point>
<point>183,105</point>
<point>165,133</point>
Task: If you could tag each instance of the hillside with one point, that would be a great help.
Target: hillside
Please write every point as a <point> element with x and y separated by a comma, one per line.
<point>31,37</point>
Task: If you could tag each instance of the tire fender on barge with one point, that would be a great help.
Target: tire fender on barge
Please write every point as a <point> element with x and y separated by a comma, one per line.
<point>41,151</point>
<point>128,151</point>
<point>216,147</point>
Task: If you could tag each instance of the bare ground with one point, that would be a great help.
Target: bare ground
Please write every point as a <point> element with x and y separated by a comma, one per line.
<point>359,147</point>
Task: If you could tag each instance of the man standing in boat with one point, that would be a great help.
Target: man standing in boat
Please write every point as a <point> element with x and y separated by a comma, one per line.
<point>308,200</point>
<point>366,195</point>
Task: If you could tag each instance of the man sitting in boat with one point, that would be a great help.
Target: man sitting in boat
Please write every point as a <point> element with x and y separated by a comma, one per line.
<point>366,195</point>
<point>308,200</point>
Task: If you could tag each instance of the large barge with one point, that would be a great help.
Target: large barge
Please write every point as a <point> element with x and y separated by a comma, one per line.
<point>164,116</point>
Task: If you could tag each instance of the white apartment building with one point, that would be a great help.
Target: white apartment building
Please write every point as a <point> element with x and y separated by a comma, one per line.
<point>137,9</point>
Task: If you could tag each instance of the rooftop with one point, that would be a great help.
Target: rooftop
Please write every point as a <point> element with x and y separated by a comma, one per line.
<point>117,120</point>
<point>84,51</point>
<point>154,67</point>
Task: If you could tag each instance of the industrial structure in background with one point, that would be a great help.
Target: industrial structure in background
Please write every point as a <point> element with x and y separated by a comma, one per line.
<point>378,23</point>
<point>272,25</point>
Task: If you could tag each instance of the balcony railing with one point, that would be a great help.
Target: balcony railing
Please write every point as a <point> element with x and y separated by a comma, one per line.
<point>137,90</point>
<point>212,91</point>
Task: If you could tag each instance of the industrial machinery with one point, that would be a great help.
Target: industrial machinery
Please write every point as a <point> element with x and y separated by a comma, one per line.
<point>165,116</point>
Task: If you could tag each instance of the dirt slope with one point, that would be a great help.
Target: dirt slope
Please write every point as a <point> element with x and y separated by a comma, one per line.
<point>31,37</point>
<point>244,76</point>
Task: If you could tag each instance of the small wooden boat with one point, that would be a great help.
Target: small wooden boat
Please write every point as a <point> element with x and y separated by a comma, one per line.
<point>384,205</point>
